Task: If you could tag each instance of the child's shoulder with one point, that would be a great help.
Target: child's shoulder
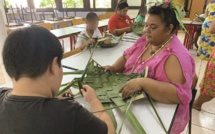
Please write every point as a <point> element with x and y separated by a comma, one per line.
<point>83,32</point>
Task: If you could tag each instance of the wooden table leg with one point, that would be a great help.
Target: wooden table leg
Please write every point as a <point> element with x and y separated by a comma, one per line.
<point>186,35</point>
<point>71,42</point>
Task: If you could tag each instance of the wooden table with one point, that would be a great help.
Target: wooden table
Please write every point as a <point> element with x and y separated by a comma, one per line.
<point>70,32</point>
<point>141,108</point>
<point>191,28</point>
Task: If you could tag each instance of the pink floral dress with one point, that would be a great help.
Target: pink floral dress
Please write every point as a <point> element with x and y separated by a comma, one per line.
<point>156,71</point>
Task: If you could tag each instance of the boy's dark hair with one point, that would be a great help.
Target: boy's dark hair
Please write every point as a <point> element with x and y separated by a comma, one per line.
<point>91,16</point>
<point>166,13</point>
<point>29,51</point>
<point>122,4</point>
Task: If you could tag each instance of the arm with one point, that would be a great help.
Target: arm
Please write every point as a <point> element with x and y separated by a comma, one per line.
<point>82,43</point>
<point>88,42</point>
<point>113,28</point>
<point>91,98</point>
<point>118,66</point>
<point>174,73</point>
<point>118,32</point>
<point>161,91</point>
<point>212,28</point>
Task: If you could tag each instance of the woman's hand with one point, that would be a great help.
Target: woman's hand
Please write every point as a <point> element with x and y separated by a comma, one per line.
<point>89,94</point>
<point>67,94</point>
<point>130,87</point>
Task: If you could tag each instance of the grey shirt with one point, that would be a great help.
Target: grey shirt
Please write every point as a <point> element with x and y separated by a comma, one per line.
<point>37,115</point>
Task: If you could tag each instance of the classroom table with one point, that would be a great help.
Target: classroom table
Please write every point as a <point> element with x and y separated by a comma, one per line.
<point>191,28</point>
<point>70,32</point>
<point>11,29</point>
<point>141,108</point>
<point>73,31</point>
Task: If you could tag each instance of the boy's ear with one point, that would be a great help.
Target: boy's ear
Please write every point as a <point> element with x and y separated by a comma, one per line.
<point>54,66</point>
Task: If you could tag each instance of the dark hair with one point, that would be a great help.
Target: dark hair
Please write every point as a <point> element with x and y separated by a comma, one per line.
<point>28,52</point>
<point>92,16</point>
<point>166,13</point>
<point>122,4</point>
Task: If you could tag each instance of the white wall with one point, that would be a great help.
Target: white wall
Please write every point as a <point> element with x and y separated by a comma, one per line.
<point>3,36</point>
<point>134,2</point>
<point>133,12</point>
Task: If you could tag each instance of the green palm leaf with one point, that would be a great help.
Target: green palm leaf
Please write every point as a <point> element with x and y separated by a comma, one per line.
<point>129,115</point>
<point>110,112</point>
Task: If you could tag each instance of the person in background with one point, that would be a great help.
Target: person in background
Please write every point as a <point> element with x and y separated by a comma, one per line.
<point>141,17</point>
<point>32,58</point>
<point>207,41</point>
<point>199,28</point>
<point>171,67</point>
<point>91,32</point>
<point>120,22</point>
<point>207,85</point>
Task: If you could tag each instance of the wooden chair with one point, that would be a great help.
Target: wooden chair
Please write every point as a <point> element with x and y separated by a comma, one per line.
<point>188,19</point>
<point>194,91</point>
<point>70,53</point>
<point>78,21</point>
<point>63,25</point>
<point>103,16</point>
<point>46,25</point>
<point>109,14</point>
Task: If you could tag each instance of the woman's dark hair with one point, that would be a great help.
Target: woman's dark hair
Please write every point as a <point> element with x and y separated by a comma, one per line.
<point>92,16</point>
<point>122,4</point>
<point>29,51</point>
<point>166,13</point>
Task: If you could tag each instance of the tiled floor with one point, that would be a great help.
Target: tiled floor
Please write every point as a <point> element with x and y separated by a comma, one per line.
<point>203,122</point>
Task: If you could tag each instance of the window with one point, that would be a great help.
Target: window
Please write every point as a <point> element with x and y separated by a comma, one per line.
<point>100,3</point>
<point>44,3</point>
<point>13,3</point>
<point>73,3</point>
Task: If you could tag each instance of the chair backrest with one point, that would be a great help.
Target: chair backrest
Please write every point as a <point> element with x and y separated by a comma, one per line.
<point>188,19</point>
<point>195,80</point>
<point>109,14</point>
<point>78,21</point>
<point>46,25</point>
<point>194,91</point>
<point>70,53</point>
<point>102,16</point>
<point>63,25</point>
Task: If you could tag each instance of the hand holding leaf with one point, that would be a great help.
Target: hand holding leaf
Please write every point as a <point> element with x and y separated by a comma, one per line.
<point>67,94</point>
<point>130,87</point>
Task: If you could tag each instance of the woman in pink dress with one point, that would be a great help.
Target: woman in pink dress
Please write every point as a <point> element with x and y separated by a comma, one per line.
<point>171,67</point>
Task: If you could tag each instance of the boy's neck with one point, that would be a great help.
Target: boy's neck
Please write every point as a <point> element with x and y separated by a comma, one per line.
<point>32,87</point>
<point>90,32</point>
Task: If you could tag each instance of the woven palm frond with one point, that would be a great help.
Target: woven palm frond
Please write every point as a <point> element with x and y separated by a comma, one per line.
<point>138,29</point>
<point>114,40</point>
